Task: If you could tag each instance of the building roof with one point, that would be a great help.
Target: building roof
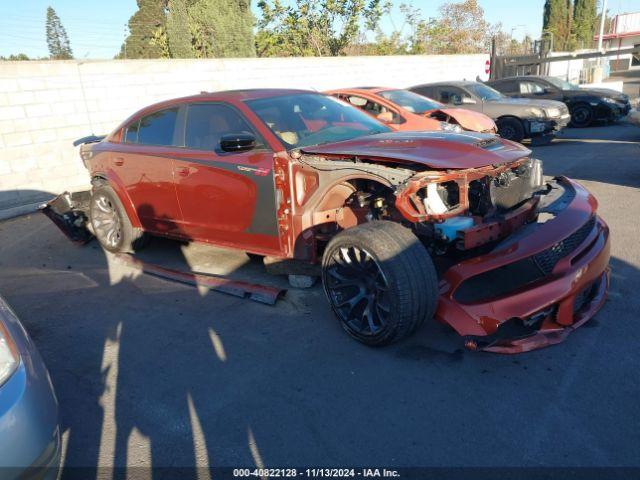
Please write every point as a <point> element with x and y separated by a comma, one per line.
<point>623,25</point>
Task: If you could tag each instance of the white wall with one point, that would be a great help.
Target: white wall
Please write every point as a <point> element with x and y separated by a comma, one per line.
<point>44,106</point>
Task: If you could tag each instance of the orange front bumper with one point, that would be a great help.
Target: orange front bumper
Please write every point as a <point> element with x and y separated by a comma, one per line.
<point>533,314</point>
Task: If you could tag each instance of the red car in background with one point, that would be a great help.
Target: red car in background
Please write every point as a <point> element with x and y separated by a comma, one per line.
<point>403,225</point>
<point>407,111</point>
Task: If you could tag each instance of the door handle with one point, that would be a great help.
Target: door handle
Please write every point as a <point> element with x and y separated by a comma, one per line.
<point>182,171</point>
<point>119,161</point>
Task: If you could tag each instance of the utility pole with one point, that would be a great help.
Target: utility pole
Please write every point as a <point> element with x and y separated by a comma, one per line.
<point>602,18</point>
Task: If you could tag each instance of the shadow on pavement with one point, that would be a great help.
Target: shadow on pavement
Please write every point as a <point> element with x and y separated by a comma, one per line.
<point>154,373</point>
<point>600,154</point>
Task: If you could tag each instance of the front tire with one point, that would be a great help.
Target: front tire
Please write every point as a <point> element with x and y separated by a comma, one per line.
<point>380,282</point>
<point>111,224</point>
<point>581,116</point>
<point>510,129</point>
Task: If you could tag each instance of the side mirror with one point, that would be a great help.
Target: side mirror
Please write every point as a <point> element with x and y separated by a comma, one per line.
<point>385,117</point>
<point>237,142</point>
<point>548,90</point>
<point>468,101</point>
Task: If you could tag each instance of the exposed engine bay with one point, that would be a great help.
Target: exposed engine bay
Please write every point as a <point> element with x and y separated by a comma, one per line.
<point>459,209</point>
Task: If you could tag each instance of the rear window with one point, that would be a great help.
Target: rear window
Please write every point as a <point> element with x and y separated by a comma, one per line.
<point>157,128</point>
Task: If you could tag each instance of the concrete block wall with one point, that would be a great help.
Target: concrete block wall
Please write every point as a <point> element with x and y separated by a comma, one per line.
<point>44,106</point>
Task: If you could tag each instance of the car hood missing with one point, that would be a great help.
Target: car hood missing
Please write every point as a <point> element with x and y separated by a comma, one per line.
<point>436,150</point>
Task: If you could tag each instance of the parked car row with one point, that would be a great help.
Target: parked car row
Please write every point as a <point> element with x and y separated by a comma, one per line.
<point>516,119</point>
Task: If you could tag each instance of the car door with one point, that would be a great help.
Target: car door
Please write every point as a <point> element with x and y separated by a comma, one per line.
<point>225,197</point>
<point>143,166</point>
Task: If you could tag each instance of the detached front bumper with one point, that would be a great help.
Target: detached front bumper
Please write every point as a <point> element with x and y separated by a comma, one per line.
<point>536,286</point>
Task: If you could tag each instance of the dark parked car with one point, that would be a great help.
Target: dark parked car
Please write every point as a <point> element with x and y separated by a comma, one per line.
<point>308,179</point>
<point>29,429</point>
<point>516,119</point>
<point>586,105</point>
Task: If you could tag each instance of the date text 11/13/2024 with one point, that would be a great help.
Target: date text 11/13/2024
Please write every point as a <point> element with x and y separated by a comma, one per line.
<point>315,473</point>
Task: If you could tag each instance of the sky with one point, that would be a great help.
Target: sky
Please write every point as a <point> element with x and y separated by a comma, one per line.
<point>96,28</point>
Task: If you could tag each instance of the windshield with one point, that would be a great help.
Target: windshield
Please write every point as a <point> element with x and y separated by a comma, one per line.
<point>561,84</point>
<point>484,92</point>
<point>410,101</point>
<point>311,119</point>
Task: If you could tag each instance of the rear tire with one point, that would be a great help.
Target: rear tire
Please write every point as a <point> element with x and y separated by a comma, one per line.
<point>380,282</point>
<point>111,224</point>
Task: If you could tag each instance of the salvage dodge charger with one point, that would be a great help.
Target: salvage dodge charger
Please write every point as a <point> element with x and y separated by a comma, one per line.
<point>405,226</point>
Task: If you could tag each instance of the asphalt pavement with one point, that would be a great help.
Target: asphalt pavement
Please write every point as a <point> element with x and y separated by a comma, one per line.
<point>151,372</point>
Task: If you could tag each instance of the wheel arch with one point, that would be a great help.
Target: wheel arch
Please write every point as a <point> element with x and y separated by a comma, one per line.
<point>102,178</point>
<point>326,208</point>
<point>510,116</point>
<point>522,122</point>
<point>583,102</point>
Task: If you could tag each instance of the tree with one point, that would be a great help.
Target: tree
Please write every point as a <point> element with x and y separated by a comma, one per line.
<point>314,28</point>
<point>557,20</point>
<point>222,28</point>
<point>57,39</point>
<point>585,16</point>
<point>16,57</point>
<point>460,28</point>
<point>178,30</point>
<point>147,31</point>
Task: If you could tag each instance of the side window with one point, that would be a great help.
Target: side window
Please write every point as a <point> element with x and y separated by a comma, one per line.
<point>131,134</point>
<point>373,108</point>
<point>451,95</point>
<point>509,86</point>
<point>158,128</point>
<point>426,91</point>
<point>356,101</point>
<point>530,87</point>
<point>208,122</point>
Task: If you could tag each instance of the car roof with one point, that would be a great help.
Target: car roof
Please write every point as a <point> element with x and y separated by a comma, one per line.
<point>515,77</point>
<point>254,93</point>
<point>454,83</point>
<point>361,90</point>
<point>242,95</point>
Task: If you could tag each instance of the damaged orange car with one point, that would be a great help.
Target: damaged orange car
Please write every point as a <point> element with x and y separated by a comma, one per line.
<point>402,226</point>
<point>407,111</point>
